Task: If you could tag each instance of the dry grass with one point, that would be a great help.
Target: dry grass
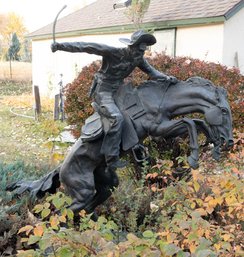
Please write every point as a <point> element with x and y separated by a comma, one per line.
<point>23,138</point>
<point>21,71</point>
<point>27,101</point>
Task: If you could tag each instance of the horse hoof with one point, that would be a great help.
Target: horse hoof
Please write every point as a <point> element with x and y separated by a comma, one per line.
<point>216,155</point>
<point>192,162</point>
<point>94,216</point>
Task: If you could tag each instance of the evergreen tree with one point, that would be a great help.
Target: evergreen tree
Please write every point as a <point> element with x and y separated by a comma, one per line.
<point>14,48</point>
<point>26,55</point>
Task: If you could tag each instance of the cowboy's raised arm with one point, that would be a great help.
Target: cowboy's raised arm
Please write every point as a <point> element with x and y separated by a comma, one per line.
<point>90,48</point>
<point>150,70</point>
<point>154,73</point>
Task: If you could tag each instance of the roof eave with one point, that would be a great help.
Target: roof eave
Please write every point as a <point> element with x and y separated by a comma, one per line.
<point>234,10</point>
<point>155,25</point>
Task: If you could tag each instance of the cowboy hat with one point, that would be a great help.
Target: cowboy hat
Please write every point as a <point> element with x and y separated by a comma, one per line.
<point>139,37</point>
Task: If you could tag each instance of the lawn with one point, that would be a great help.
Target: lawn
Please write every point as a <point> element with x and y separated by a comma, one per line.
<point>22,137</point>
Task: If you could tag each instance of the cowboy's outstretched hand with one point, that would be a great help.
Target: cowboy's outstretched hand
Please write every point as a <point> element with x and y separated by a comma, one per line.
<point>54,47</point>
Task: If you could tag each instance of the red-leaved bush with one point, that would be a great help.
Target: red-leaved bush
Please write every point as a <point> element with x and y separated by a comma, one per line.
<point>78,105</point>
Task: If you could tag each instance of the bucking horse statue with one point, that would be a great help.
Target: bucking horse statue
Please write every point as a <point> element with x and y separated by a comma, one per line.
<point>154,108</point>
<point>83,172</point>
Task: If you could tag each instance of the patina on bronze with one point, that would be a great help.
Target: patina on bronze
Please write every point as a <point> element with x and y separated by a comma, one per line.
<point>131,114</point>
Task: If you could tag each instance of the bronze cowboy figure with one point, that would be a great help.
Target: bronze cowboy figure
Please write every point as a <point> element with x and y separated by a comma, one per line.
<point>117,64</point>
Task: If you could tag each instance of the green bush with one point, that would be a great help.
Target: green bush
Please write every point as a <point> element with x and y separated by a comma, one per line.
<point>197,218</point>
<point>78,105</point>
<point>10,173</point>
<point>220,75</point>
<point>13,210</point>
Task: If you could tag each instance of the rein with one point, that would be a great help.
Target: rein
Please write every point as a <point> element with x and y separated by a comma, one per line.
<point>165,87</point>
<point>164,92</point>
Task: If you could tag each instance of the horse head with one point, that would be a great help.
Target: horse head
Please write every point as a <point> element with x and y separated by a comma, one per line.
<point>219,120</point>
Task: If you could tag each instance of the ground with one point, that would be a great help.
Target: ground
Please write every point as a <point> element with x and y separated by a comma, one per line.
<point>21,71</point>
<point>22,136</point>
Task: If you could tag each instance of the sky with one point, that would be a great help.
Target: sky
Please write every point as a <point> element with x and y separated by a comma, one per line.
<point>37,14</point>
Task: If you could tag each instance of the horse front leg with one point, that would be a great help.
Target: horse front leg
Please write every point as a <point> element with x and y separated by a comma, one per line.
<point>174,128</point>
<point>205,129</point>
<point>77,173</point>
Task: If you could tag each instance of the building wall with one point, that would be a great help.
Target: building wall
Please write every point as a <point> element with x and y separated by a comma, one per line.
<point>165,42</point>
<point>201,42</point>
<point>47,66</point>
<point>233,49</point>
<point>217,43</point>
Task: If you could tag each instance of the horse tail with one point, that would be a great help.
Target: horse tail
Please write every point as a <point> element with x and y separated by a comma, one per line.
<point>37,188</point>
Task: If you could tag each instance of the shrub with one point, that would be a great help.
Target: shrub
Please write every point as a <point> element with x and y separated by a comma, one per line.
<point>78,105</point>
<point>13,210</point>
<point>201,217</point>
<point>220,75</point>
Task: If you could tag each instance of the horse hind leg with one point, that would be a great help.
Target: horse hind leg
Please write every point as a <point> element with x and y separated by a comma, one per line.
<point>105,182</point>
<point>78,179</point>
<point>81,198</point>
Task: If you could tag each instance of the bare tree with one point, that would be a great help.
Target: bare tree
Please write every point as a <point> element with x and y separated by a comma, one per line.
<point>136,11</point>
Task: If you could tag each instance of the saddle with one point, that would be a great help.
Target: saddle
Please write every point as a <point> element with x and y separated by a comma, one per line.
<point>129,104</point>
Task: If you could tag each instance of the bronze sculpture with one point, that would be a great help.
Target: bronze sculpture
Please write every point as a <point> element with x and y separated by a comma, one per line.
<point>148,110</point>
<point>83,172</point>
<point>117,64</point>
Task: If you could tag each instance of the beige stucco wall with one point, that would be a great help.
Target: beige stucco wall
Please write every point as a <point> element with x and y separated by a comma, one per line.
<point>216,43</point>
<point>233,49</point>
<point>165,42</point>
<point>202,42</point>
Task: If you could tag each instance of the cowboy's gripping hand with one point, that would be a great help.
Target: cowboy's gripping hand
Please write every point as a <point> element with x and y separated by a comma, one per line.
<point>55,47</point>
<point>171,79</point>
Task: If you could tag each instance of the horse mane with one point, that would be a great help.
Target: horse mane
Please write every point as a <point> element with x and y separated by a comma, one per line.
<point>199,81</point>
<point>196,81</point>
<point>190,82</point>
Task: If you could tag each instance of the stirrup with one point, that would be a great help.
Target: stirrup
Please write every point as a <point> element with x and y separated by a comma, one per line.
<point>140,153</point>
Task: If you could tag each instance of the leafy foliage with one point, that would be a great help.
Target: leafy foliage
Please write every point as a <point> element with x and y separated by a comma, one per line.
<point>198,217</point>
<point>181,220</point>
<point>13,213</point>
<point>78,105</point>
<point>11,23</point>
<point>136,11</point>
<point>6,174</point>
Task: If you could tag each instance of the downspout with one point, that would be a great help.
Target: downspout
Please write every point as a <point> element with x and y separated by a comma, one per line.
<point>174,50</point>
